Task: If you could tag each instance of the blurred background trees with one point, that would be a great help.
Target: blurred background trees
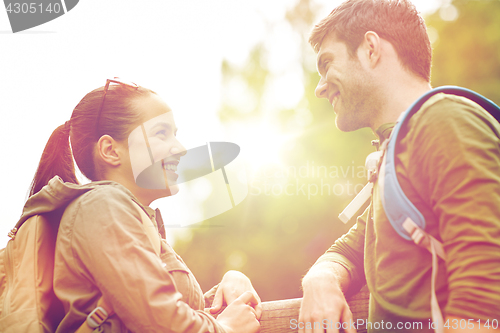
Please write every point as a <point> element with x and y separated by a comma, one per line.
<point>302,169</point>
<point>466,37</point>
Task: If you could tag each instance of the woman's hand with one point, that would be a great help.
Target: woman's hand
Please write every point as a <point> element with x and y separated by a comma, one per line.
<point>232,286</point>
<point>240,316</point>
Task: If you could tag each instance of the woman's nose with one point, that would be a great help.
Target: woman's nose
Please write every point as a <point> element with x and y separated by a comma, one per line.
<point>178,149</point>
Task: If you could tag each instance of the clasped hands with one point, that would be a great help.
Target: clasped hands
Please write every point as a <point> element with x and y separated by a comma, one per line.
<point>243,303</point>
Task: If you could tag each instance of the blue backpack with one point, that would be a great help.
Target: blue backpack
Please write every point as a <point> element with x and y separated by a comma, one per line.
<point>404,217</point>
<point>401,207</point>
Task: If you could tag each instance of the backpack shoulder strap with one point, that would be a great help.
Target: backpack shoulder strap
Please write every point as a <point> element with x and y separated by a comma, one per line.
<point>396,205</point>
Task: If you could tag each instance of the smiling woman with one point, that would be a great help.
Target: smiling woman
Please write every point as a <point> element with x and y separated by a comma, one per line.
<point>154,139</point>
<point>110,250</point>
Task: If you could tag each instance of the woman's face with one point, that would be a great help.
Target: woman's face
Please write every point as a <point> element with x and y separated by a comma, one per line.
<point>153,147</point>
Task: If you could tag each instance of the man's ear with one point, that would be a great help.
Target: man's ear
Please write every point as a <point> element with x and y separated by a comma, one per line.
<point>109,150</point>
<point>371,48</point>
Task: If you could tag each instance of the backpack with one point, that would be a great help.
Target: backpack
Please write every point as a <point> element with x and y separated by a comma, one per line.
<point>401,208</point>
<point>404,217</point>
<point>27,299</point>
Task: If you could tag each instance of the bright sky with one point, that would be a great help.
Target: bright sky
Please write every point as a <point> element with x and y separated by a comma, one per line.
<point>173,47</point>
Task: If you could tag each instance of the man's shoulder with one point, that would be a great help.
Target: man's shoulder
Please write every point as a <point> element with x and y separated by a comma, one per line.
<point>443,106</point>
<point>452,115</point>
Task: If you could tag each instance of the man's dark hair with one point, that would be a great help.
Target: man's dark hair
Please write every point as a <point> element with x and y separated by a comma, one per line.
<point>396,21</point>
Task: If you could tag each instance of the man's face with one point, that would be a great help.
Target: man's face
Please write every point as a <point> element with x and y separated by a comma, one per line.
<point>346,84</point>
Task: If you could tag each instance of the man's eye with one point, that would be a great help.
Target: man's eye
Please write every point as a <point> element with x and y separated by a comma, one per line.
<point>324,66</point>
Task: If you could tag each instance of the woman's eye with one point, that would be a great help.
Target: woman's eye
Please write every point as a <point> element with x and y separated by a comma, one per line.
<point>161,133</point>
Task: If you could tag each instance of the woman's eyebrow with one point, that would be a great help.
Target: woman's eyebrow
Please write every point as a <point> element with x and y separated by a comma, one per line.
<point>161,124</point>
<point>165,125</point>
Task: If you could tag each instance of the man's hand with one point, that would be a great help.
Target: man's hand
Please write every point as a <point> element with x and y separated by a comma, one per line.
<point>324,302</point>
<point>232,286</point>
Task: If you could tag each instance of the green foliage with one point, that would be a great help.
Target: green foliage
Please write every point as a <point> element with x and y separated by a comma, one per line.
<point>467,50</point>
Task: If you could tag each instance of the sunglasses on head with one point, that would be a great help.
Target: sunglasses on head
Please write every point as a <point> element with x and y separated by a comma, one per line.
<point>115,80</point>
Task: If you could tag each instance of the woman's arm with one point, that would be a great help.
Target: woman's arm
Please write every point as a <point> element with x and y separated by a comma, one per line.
<point>117,256</point>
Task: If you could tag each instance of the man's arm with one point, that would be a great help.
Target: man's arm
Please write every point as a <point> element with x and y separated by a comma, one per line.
<point>334,274</point>
<point>328,272</point>
<point>324,287</point>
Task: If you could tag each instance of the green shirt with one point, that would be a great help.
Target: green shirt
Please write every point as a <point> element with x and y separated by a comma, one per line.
<point>448,165</point>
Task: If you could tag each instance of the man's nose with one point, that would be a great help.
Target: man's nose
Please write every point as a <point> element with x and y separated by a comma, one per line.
<point>321,89</point>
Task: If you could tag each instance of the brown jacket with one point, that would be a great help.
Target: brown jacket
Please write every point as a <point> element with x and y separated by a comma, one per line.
<point>102,249</point>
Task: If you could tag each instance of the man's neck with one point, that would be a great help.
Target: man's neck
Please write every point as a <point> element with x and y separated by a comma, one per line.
<point>399,96</point>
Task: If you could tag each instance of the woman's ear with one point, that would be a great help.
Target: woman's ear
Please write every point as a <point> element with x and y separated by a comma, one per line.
<point>371,48</point>
<point>109,150</point>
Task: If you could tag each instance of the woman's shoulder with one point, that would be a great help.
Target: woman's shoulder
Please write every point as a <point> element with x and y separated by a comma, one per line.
<point>107,192</point>
<point>105,202</point>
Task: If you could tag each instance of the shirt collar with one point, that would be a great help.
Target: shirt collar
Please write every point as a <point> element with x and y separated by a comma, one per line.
<point>384,131</point>
<point>153,214</point>
<point>148,210</point>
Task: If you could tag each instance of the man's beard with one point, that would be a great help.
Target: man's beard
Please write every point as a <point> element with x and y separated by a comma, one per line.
<point>355,107</point>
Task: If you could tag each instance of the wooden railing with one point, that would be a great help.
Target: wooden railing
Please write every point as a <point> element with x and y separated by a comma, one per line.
<point>282,316</point>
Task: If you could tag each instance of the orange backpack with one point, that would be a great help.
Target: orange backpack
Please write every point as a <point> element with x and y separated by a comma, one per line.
<point>27,299</point>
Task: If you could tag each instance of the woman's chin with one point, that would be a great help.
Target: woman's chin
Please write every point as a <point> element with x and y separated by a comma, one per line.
<point>158,194</point>
<point>173,189</point>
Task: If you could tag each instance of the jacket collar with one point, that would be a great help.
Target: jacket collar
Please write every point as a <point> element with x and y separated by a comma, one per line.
<point>384,131</point>
<point>58,194</point>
